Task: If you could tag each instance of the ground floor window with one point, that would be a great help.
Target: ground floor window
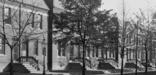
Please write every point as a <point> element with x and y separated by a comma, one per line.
<point>61,49</point>
<point>130,54</point>
<point>2,46</point>
<point>36,47</point>
<point>71,50</point>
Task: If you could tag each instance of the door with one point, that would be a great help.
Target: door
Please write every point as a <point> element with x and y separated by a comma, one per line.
<point>16,53</point>
<point>25,47</point>
<point>15,49</point>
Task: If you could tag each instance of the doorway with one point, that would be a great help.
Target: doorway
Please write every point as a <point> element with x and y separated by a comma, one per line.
<point>16,53</point>
<point>15,49</point>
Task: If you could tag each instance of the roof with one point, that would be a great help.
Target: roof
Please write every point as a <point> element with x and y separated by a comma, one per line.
<point>30,6</point>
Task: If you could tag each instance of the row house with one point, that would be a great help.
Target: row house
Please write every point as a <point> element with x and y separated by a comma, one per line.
<point>33,41</point>
<point>103,48</point>
<point>138,41</point>
<point>26,19</point>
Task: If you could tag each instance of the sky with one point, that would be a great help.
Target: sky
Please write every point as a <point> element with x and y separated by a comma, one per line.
<point>131,6</point>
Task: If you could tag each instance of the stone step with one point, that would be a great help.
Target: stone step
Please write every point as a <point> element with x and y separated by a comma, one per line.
<point>2,66</point>
<point>30,68</point>
<point>114,64</point>
<point>105,66</point>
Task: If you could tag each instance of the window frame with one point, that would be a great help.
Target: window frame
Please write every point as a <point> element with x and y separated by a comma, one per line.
<point>36,46</point>
<point>37,21</point>
<point>7,15</point>
<point>61,50</point>
<point>3,45</point>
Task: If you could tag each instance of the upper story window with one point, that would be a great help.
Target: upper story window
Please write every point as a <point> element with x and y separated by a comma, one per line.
<point>32,19</point>
<point>41,20</point>
<point>7,15</point>
<point>38,21</point>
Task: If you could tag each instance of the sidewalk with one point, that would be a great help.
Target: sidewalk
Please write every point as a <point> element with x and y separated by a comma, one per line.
<point>50,73</point>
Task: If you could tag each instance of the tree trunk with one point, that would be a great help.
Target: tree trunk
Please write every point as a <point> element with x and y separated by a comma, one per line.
<point>11,62</point>
<point>84,54</point>
<point>146,66</point>
<point>19,33</point>
<point>122,57</point>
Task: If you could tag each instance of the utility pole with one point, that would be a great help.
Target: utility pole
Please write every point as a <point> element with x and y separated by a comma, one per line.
<point>83,39</point>
<point>136,54</point>
<point>123,39</point>
<point>50,35</point>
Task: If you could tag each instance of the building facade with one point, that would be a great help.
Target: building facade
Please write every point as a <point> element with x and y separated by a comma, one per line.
<point>140,43</point>
<point>33,14</point>
<point>25,20</point>
<point>29,20</point>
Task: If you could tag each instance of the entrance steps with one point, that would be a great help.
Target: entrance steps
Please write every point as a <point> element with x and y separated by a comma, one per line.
<point>113,63</point>
<point>132,64</point>
<point>107,64</point>
<point>16,67</point>
<point>2,66</point>
<point>31,68</point>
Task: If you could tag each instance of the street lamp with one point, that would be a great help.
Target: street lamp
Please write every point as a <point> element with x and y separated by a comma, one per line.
<point>44,54</point>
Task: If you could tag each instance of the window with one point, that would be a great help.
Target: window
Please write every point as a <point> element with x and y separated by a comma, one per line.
<point>88,51</point>
<point>61,49</point>
<point>93,53</point>
<point>38,20</point>
<point>2,46</point>
<point>41,20</point>
<point>24,45</point>
<point>32,19</point>
<point>97,52</point>
<point>7,15</point>
<point>71,50</point>
<point>24,42</point>
<point>36,47</point>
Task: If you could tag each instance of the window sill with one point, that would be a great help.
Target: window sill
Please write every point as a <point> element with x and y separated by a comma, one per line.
<point>2,54</point>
